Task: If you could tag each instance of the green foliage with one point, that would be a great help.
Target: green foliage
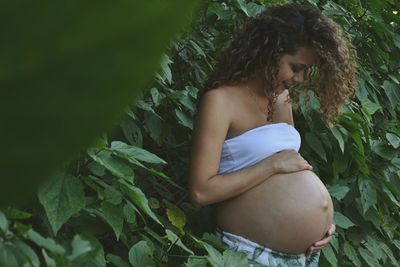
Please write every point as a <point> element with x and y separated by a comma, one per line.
<point>124,203</point>
<point>67,72</point>
<point>61,196</point>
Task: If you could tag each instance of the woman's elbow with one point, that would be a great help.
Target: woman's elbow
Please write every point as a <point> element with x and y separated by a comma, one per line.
<point>196,198</point>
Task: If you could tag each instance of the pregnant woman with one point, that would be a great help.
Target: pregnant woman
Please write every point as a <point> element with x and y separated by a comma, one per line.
<point>269,202</point>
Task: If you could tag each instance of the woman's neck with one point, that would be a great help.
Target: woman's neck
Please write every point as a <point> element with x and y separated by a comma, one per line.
<point>257,86</point>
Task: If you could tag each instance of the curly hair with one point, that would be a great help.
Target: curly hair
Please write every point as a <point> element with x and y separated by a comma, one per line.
<point>282,29</point>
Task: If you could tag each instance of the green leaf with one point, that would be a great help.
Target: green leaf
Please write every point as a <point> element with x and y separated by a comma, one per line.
<point>156,96</point>
<point>154,125</point>
<point>94,257</point>
<point>145,105</point>
<point>391,196</point>
<point>7,256</point>
<point>394,78</point>
<point>61,196</point>
<point>188,103</point>
<point>383,150</point>
<point>369,258</point>
<point>197,48</point>
<point>374,247</point>
<point>3,222</point>
<point>358,152</point>
<point>393,139</point>
<point>388,252</point>
<point>17,214</point>
<point>214,257</point>
<point>176,216</point>
<point>128,151</point>
<point>97,259</point>
<point>222,11</point>
<point>316,145</point>
<point>46,243</point>
<point>342,221</point>
<point>100,142</point>
<point>113,195</point>
<point>165,73</point>
<point>368,194</point>
<point>330,255</point>
<point>91,182</point>
<point>237,259</point>
<point>192,91</point>
<point>79,247</point>
<point>392,92</point>
<point>389,226</point>
<point>30,255</point>
<point>396,40</point>
<point>97,169</point>
<point>253,8</point>
<point>243,6</point>
<point>333,9</point>
<point>340,162</point>
<point>351,253</point>
<point>396,162</point>
<point>113,164</point>
<point>335,243</point>
<point>370,106</point>
<point>213,240</point>
<point>338,191</point>
<point>196,261</point>
<point>75,81</point>
<point>174,239</point>
<point>336,133</point>
<point>184,119</point>
<point>141,254</point>
<point>50,262</point>
<point>397,243</point>
<point>132,132</point>
<point>116,260</point>
<point>114,216</point>
<point>129,213</point>
<point>154,203</point>
<point>372,215</point>
<point>139,199</point>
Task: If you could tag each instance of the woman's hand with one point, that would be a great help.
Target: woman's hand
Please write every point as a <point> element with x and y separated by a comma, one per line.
<point>323,242</point>
<point>289,161</point>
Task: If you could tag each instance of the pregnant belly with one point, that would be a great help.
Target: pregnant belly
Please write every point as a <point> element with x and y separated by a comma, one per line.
<point>287,212</point>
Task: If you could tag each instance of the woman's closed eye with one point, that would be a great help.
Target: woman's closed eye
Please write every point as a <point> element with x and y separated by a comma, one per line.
<point>298,67</point>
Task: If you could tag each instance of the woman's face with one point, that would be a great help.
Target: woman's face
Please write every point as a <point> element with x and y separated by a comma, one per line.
<point>292,68</point>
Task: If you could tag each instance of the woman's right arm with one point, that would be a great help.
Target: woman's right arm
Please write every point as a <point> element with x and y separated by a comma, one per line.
<point>212,123</point>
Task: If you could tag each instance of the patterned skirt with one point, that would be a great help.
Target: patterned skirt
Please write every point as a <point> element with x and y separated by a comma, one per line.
<point>260,255</point>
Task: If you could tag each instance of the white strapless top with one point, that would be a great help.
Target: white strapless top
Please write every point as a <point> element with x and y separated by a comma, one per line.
<point>257,144</point>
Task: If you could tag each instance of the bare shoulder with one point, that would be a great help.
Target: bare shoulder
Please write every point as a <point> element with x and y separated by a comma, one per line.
<point>216,104</point>
<point>218,98</point>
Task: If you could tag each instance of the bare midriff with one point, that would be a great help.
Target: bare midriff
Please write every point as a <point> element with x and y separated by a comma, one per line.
<point>288,212</point>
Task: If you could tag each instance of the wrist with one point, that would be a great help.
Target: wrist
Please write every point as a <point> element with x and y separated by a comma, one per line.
<point>272,164</point>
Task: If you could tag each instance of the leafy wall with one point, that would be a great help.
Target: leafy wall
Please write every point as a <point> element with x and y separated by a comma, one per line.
<point>123,202</point>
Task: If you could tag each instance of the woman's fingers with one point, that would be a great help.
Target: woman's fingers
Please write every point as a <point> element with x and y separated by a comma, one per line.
<point>332,229</point>
<point>323,242</point>
<point>319,245</point>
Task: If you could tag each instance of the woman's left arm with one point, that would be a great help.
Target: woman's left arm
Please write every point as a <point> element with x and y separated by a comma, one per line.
<point>323,242</point>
